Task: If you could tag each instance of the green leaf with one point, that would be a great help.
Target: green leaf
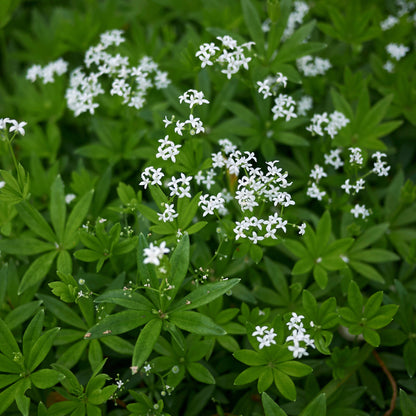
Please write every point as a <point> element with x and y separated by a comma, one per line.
<point>296,247</point>
<point>270,407</point>
<point>407,406</point>
<point>8,344</point>
<point>303,265</point>
<point>131,300</point>
<point>323,230</point>
<point>8,396</point>
<point>285,385</point>
<point>87,255</point>
<point>118,344</point>
<point>33,331</point>
<point>196,323</point>
<point>45,378</point>
<point>256,253</point>
<point>373,305</point>
<point>64,262</point>
<point>57,207</point>
<point>41,349</point>
<point>187,215</point>
<point>370,236</point>
<point>200,373</point>
<point>294,368</point>
<point>320,275</point>
<point>341,104</point>
<point>367,271</point>
<point>179,262</point>
<point>250,357</point>
<point>148,213</point>
<point>375,255</point>
<point>265,379</point>
<point>25,246</point>
<point>37,271</point>
<point>252,20</point>
<point>248,375</point>
<point>316,407</point>
<point>70,382</point>
<point>384,316</point>
<point>20,314</point>
<point>371,336</point>
<point>309,303</point>
<point>204,294</point>
<point>119,323</point>
<point>62,311</point>
<point>146,341</point>
<point>34,220</point>
<point>75,219</point>
<point>194,228</point>
<point>355,298</point>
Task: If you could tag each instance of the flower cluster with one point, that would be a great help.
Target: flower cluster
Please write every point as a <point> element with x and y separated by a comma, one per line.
<point>397,51</point>
<point>232,55</point>
<point>311,67</point>
<point>284,105</point>
<point>304,105</point>
<point>15,126</point>
<point>169,214</point>
<point>333,123</point>
<point>48,72</point>
<point>389,22</point>
<point>153,254</point>
<point>194,124</point>
<point>167,149</point>
<point>301,340</point>
<point>296,17</point>
<point>254,188</point>
<point>360,210</point>
<point>264,336</point>
<point>355,159</point>
<point>129,82</point>
<point>269,86</point>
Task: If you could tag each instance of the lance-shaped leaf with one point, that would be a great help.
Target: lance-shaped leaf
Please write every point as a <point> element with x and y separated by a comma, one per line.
<point>8,344</point>
<point>119,323</point>
<point>75,219</point>
<point>21,314</point>
<point>57,207</point>
<point>270,407</point>
<point>125,298</point>
<point>146,341</point>
<point>37,271</point>
<point>34,220</point>
<point>25,246</point>
<point>196,323</point>
<point>179,264</point>
<point>203,295</point>
<point>41,348</point>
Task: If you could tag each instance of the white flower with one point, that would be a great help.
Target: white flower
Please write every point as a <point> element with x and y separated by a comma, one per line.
<point>153,254</point>
<point>69,198</point>
<point>301,229</point>
<point>17,127</point>
<point>259,330</point>
<point>360,210</point>
<point>397,51</point>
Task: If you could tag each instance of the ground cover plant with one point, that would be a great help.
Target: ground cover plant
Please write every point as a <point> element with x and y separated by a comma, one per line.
<point>207,208</point>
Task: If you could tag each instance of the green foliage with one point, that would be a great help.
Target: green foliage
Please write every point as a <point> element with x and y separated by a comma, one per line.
<point>207,208</point>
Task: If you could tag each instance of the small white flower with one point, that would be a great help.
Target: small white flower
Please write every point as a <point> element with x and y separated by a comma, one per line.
<point>17,127</point>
